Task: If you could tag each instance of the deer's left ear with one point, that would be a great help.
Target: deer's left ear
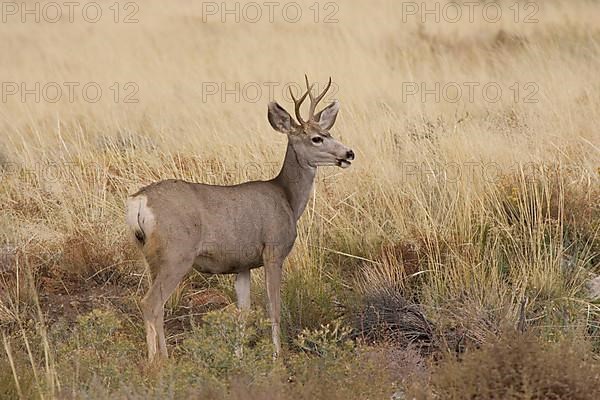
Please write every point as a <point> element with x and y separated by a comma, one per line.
<point>281,120</point>
<point>326,117</point>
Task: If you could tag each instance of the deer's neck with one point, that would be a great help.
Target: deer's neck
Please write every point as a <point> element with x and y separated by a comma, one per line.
<point>297,181</point>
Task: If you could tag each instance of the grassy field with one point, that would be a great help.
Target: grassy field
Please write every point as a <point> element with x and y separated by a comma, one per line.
<point>453,259</point>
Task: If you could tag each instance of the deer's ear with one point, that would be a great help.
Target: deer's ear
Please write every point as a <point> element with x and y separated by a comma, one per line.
<point>281,120</point>
<point>326,117</point>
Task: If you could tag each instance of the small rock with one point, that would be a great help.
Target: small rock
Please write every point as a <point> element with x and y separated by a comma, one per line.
<point>593,288</point>
<point>8,255</point>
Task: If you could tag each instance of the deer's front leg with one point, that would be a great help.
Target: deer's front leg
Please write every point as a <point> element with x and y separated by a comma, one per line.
<point>273,280</point>
<point>242,290</point>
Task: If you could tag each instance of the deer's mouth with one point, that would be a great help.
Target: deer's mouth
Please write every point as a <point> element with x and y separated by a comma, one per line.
<point>343,163</point>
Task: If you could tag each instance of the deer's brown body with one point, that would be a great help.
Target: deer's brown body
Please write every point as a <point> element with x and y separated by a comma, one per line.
<point>237,245</point>
<point>231,229</point>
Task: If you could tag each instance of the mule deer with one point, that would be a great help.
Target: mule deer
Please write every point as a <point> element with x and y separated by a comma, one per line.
<point>232,229</point>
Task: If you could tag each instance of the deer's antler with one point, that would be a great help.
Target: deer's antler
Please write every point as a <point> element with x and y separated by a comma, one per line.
<point>298,103</point>
<point>313,101</point>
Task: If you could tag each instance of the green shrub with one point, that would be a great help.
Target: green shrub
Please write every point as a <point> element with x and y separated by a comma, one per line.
<point>97,348</point>
<point>519,367</point>
<point>214,346</point>
<point>330,340</point>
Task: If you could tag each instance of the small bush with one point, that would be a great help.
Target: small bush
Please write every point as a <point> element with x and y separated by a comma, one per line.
<point>214,347</point>
<point>517,367</point>
<point>329,340</point>
<point>97,348</point>
<point>385,315</point>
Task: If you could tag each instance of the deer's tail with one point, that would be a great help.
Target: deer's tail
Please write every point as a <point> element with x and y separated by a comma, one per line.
<point>140,218</point>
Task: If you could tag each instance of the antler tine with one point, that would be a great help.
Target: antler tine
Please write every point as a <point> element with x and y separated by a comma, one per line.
<point>298,103</point>
<point>315,101</point>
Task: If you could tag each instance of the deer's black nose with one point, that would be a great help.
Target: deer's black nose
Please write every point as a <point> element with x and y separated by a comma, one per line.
<point>350,155</point>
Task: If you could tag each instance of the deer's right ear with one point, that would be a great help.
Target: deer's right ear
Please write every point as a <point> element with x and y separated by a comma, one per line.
<point>281,120</point>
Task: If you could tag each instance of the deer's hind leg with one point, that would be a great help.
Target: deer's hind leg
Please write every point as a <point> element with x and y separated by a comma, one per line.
<point>165,277</point>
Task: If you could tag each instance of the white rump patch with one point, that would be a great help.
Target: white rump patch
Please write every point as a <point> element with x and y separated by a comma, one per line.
<point>139,216</point>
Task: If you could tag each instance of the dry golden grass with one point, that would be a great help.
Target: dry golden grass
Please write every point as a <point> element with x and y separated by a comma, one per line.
<point>464,207</point>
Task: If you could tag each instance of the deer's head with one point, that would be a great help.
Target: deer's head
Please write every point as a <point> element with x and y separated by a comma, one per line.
<point>310,139</point>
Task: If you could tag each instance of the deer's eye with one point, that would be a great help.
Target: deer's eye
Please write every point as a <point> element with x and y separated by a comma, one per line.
<point>317,139</point>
